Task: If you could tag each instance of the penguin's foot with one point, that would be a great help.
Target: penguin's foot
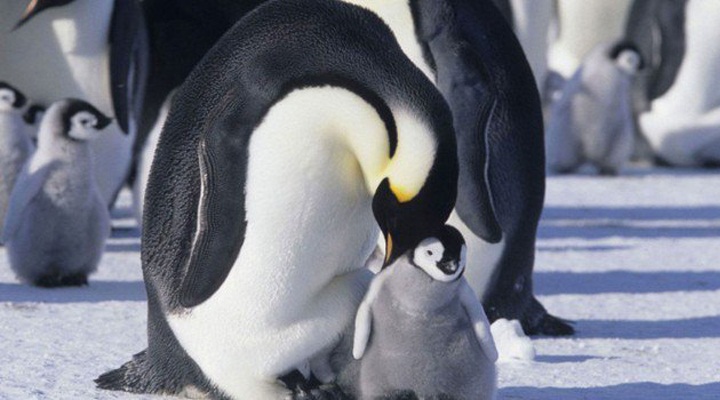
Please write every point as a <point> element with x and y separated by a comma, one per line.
<point>56,280</point>
<point>130,377</point>
<point>608,171</point>
<point>533,317</point>
<point>311,389</point>
<point>537,321</point>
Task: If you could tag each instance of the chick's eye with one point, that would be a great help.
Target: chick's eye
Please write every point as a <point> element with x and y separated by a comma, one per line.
<point>429,252</point>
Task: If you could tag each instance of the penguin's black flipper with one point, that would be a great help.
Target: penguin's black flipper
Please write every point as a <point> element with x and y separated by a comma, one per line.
<point>221,211</point>
<point>129,61</point>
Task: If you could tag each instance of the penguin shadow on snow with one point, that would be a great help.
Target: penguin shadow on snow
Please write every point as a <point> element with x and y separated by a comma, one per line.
<point>688,328</point>
<point>628,222</point>
<point>95,292</point>
<point>553,283</point>
<point>637,390</point>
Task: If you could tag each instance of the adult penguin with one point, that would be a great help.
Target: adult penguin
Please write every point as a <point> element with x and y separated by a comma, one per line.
<point>304,121</point>
<point>86,49</point>
<point>469,51</point>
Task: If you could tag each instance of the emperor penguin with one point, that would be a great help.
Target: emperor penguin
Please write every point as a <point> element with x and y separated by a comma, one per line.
<point>298,138</point>
<point>468,50</point>
<point>86,49</point>
<point>593,120</point>
<point>15,145</point>
<point>57,220</point>
<point>682,125</point>
<point>582,25</point>
<point>422,329</point>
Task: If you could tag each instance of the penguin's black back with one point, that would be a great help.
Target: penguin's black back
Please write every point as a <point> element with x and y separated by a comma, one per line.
<point>280,46</point>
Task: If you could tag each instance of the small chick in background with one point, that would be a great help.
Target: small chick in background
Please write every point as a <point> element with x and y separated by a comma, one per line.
<point>58,221</point>
<point>15,146</point>
<point>32,118</point>
<point>421,330</point>
<point>592,121</point>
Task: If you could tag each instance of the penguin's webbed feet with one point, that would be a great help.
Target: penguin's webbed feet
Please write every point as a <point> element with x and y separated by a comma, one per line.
<point>311,389</point>
<point>58,280</point>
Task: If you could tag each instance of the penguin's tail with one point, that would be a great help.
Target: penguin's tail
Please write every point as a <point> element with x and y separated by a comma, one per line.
<point>130,377</point>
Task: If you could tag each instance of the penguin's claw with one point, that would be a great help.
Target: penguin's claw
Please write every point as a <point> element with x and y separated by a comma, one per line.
<point>311,389</point>
<point>55,280</point>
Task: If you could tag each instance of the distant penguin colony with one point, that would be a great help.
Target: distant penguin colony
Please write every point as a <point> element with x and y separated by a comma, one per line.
<point>15,144</point>
<point>431,341</point>
<point>592,121</point>
<point>86,49</point>
<point>304,122</point>
<point>57,221</point>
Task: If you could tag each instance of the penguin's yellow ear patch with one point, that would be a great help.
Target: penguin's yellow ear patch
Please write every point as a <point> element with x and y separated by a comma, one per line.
<point>402,195</point>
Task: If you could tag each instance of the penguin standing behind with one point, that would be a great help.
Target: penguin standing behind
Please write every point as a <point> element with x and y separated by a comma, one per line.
<point>593,119</point>
<point>57,221</point>
<point>32,118</point>
<point>15,145</point>
<point>298,138</point>
<point>86,49</point>
<point>421,328</point>
<point>477,63</point>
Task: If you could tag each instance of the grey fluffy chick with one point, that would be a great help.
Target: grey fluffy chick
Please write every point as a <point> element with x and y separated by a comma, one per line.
<point>15,146</point>
<point>421,331</point>
<point>593,119</point>
<point>57,221</point>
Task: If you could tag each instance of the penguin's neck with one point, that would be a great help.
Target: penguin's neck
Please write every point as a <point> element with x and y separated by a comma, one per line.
<point>415,291</point>
<point>314,164</point>
<point>12,132</point>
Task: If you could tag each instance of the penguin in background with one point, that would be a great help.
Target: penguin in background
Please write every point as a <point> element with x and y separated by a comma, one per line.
<point>15,145</point>
<point>471,54</point>
<point>593,119</point>
<point>421,329</point>
<point>57,221</point>
<point>32,118</point>
<point>682,125</point>
<point>86,49</point>
<point>299,137</point>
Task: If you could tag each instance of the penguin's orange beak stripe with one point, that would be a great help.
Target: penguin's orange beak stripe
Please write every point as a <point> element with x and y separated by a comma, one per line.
<point>388,247</point>
<point>402,195</point>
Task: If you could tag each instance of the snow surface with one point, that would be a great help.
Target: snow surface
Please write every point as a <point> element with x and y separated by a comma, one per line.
<point>634,260</point>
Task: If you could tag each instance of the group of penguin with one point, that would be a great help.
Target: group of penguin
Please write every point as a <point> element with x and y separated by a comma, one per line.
<point>289,138</point>
<point>624,80</point>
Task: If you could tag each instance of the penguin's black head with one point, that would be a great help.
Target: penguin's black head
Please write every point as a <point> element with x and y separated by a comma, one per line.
<point>35,7</point>
<point>11,98</point>
<point>628,56</point>
<point>442,256</point>
<point>81,121</point>
<point>405,224</point>
<point>33,114</point>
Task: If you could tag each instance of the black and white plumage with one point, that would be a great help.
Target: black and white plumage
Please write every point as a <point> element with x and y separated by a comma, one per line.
<point>481,70</point>
<point>302,123</point>
<point>15,145</point>
<point>86,49</point>
<point>593,120</point>
<point>421,329</point>
<point>57,220</point>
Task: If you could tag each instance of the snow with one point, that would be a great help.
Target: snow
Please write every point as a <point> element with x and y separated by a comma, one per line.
<point>633,260</point>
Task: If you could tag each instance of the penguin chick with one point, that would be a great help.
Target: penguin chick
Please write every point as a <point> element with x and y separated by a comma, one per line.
<point>57,220</point>
<point>32,117</point>
<point>593,119</point>
<point>421,329</point>
<point>15,146</point>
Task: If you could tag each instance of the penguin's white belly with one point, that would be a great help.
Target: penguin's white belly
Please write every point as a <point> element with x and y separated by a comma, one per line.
<point>686,120</point>
<point>299,278</point>
<point>63,52</point>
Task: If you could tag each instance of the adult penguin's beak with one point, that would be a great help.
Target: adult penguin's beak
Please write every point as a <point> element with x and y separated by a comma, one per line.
<point>35,7</point>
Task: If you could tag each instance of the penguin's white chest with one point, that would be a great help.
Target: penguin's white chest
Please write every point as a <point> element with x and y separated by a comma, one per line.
<point>297,281</point>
